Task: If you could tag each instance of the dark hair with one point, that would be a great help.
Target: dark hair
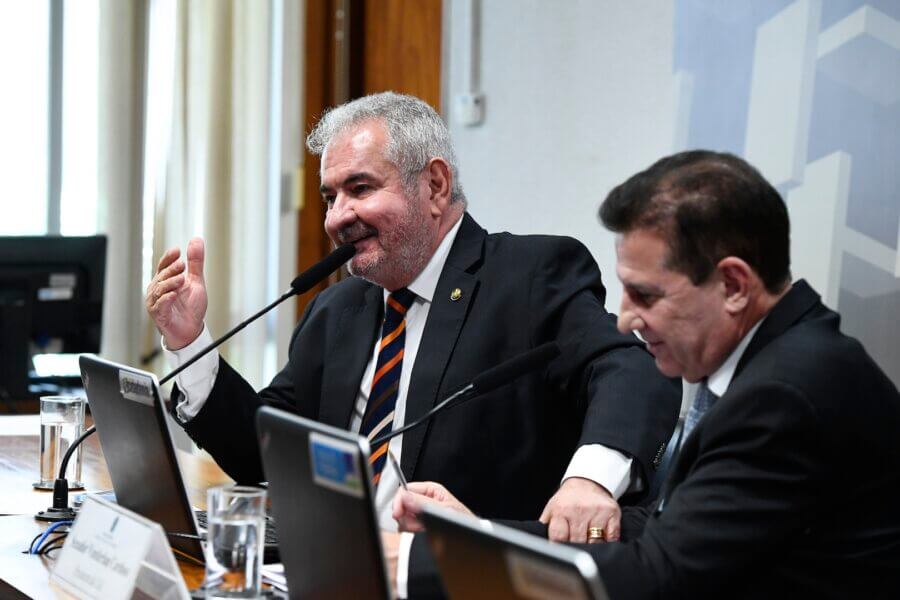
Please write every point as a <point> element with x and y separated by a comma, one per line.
<point>706,205</point>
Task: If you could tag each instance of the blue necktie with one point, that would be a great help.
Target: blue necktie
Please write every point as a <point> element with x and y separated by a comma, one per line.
<point>703,401</point>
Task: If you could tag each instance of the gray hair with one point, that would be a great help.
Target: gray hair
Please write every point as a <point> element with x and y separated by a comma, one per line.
<point>416,134</point>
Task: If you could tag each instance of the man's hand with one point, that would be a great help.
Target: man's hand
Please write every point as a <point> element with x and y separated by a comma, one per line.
<point>408,504</point>
<point>578,505</point>
<point>176,301</point>
<point>390,543</point>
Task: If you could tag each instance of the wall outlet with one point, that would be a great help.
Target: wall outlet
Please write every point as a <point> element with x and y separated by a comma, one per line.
<point>469,109</point>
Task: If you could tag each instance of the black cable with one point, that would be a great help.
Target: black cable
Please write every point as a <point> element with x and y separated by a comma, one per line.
<point>52,543</point>
<point>47,551</point>
<point>62,535</point>
<point>30,545</point>
<point>59,536</point>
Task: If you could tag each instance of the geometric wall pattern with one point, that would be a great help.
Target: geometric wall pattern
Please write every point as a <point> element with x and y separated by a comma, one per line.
<point>808,91</point>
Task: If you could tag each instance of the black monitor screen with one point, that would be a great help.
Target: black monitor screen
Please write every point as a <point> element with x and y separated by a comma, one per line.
<point>51,298</point>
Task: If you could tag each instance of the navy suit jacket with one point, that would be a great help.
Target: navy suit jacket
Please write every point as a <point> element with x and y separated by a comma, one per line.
<point>788,486</point>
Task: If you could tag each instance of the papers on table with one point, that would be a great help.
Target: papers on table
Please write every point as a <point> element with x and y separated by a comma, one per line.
<point>274,576</point>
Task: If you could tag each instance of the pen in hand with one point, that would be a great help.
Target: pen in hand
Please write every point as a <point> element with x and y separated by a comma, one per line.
<point>392,459</point>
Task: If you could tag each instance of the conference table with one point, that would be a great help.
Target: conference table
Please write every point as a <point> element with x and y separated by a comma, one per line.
<point>27,576</point>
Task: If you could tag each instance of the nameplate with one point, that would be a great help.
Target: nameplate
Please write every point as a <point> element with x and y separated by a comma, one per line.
<point>111,551</point>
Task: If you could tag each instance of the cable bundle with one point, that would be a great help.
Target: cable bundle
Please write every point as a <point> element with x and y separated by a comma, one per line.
<point>42,546</point>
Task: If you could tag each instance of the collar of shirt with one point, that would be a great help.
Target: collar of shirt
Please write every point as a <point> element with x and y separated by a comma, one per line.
<point>426,282</point>
<point>719,381</point>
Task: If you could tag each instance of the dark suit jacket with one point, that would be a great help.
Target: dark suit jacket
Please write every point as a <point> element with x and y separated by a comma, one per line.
<point>504,453</point>
<point>788,486</point>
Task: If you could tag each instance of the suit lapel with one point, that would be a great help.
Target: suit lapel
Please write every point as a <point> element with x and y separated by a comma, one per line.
<point>790,309</point>
<point>356,334</point>
<point>445,321</point>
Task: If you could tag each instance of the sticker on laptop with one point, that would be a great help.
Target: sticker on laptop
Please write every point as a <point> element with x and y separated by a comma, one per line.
<point>534,578</point>
<point>335,464</point>
<point>138,388</point>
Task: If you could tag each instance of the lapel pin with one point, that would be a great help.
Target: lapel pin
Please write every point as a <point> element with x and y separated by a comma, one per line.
<point>456,294</point>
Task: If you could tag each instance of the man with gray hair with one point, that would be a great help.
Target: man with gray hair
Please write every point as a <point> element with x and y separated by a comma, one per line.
<point>435,301</point>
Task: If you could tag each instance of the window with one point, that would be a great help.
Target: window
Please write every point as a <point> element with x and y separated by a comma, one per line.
<point>78,192</point>
<point>49,129</point>
<point>25,50</point>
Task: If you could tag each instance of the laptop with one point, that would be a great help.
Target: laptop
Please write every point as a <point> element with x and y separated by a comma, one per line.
<point>320,487</point>
<point>480,559</point>
<point>134,435</point>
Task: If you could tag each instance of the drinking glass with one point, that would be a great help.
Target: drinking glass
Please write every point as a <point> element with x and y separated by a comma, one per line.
<point>234,541</point>
<point>62,422</point>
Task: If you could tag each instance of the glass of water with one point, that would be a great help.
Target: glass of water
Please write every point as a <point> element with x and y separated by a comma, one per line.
<point>62,421</point>
<point>234,541</point>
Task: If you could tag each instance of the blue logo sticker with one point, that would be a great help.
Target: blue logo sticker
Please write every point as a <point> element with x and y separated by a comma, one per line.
<point>335,464</point>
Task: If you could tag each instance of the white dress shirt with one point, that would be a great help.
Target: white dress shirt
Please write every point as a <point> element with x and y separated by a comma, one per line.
<point>721,378</point>
<point>603,465</point>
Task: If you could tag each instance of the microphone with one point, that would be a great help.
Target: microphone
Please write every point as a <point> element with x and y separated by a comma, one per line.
<point>515,368</point>
<point>307,279</point>
<point>483,383</point>
<point>302,283</point>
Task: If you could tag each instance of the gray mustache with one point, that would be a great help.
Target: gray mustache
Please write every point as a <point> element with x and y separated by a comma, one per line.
<point>355,232</point>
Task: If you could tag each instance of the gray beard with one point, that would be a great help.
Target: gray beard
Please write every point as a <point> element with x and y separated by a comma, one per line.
<point>414,252</point>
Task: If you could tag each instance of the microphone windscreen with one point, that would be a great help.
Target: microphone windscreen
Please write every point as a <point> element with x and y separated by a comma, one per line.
<point>515,367</point>
<point>322,269</point>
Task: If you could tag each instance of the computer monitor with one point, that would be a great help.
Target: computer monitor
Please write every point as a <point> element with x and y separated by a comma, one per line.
<point>51,298</point>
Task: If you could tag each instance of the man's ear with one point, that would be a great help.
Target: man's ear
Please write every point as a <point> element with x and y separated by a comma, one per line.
<point>739,280</point>
<point>440,185</point>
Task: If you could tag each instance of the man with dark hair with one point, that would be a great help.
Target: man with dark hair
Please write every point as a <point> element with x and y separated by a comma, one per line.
<point>434,301</point>
<point>708,205</point>
<point>788,473</point>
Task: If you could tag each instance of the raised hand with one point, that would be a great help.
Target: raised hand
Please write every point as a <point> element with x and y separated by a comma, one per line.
<point>176,299</point>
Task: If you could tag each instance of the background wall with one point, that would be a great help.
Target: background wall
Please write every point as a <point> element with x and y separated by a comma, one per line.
<point>577,96</point>
<point>580,95</point>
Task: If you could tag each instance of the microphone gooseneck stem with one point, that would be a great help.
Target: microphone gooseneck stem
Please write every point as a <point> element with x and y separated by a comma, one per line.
<point>61,485</point>
<point>225,337</point>
<point>71,450</point>
<point>437,407</point>
<point>484,383</point>
<point>60,510</point>
<point>301,284</point>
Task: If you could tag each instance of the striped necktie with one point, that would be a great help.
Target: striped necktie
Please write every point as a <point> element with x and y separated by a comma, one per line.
<point>703,401</point>
<point>379,416</point>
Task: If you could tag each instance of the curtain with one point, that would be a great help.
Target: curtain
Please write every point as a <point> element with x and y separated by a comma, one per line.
<point>122,51</point>
<point>215,179</point>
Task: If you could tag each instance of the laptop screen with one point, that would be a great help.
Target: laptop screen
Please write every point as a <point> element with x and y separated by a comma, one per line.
<point>138,449</point>
<point>321,493</point>
<point>508,563</point>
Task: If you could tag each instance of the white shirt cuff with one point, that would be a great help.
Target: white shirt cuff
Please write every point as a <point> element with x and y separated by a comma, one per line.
<point>196,382</point>
<point>605,466</point>
<point>406,540</point>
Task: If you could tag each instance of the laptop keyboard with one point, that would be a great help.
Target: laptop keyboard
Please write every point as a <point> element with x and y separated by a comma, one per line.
<point>271,539</point>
